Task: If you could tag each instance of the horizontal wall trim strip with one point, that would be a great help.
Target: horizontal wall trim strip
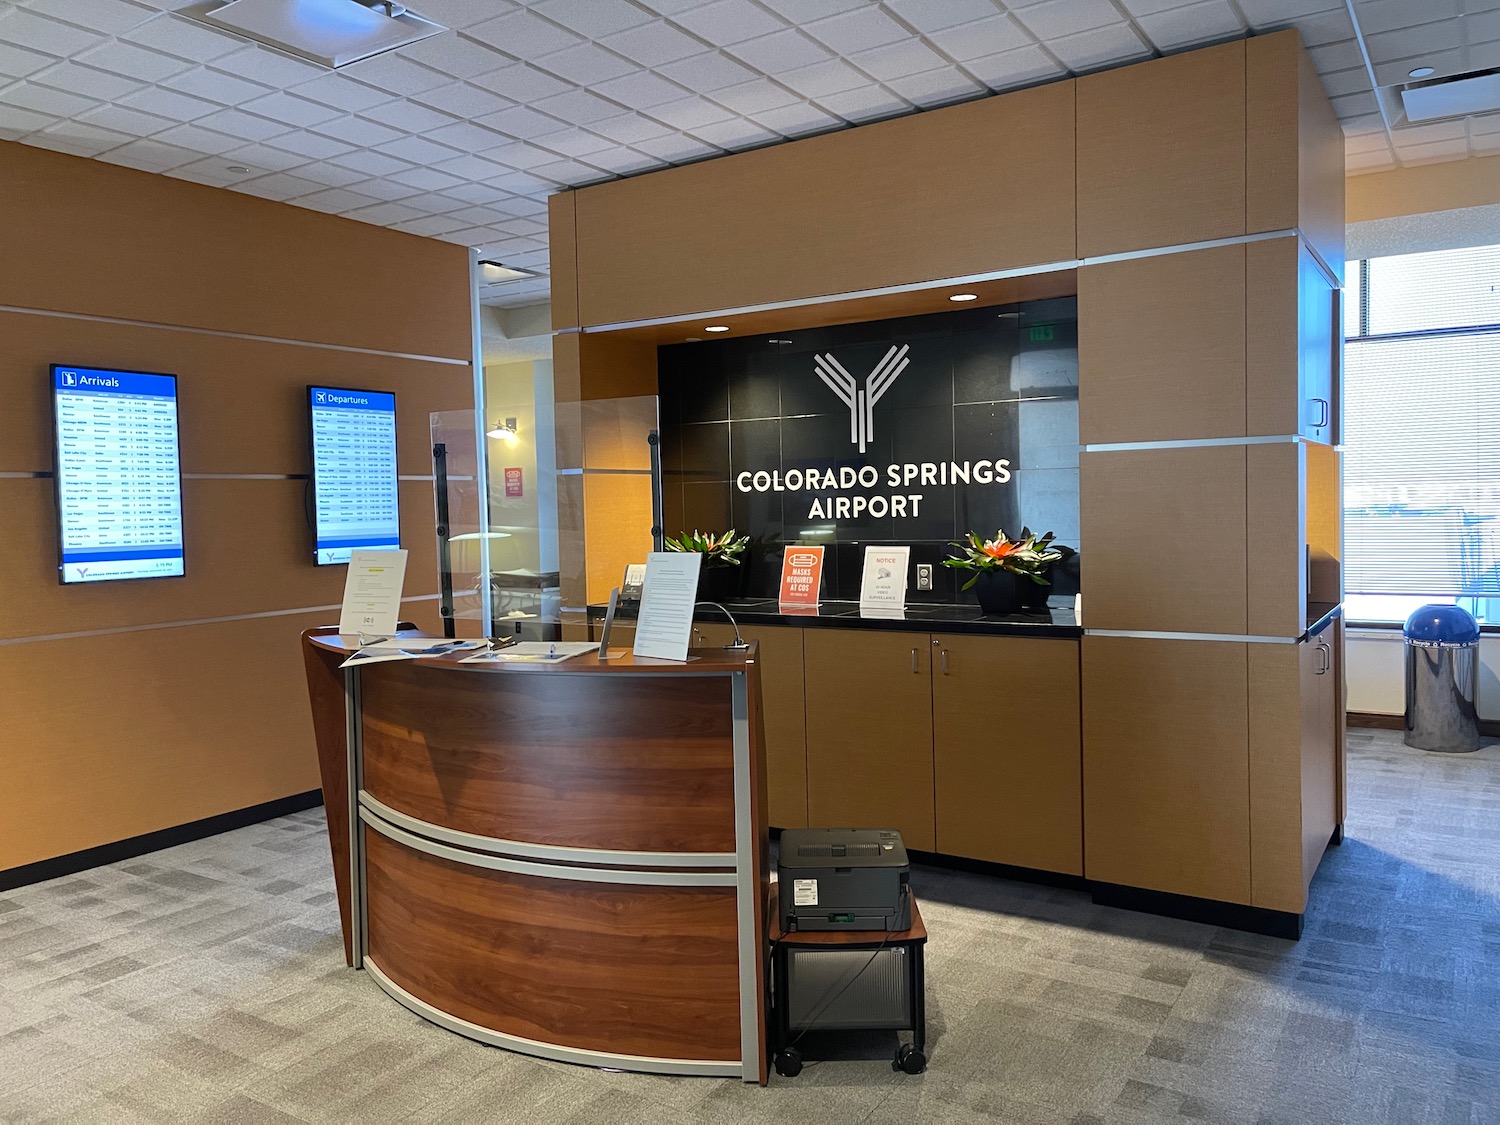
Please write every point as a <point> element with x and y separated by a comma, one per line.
<point>244,476</point>
<point>1150,634</point>
<point>496,846</point>
<point>604,472</point>
<point>93,319</point>
<point>703,1068</point>
<point>37,475</point>
<point>937,283</point>
<point>82,633</point>
<point>1328,273</point>
<point>546,870</point>
<point>135,846</point>
<point>1189,443</point>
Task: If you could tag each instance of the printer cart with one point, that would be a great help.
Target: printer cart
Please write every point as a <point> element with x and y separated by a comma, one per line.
<point>847,980</point>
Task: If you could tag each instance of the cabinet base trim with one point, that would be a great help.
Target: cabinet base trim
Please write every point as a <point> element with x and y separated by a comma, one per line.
<point>1230,915</point>
<point>1001,870</point>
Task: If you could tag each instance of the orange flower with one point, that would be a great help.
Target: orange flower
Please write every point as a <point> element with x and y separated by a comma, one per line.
<point>999,548</point>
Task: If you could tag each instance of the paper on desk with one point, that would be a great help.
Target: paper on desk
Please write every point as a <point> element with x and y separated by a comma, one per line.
<point>664,626</point>
<point>532,652</point>
<point>397,649</point>
<point>372,592</point>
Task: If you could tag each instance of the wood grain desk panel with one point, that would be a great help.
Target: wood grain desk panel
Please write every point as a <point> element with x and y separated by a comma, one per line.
<point>598,762</point>
<point>325,690</point>
<point>637,970</point>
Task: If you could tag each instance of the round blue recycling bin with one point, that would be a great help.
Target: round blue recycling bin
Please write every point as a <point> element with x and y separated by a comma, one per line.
<point>1442,680</point>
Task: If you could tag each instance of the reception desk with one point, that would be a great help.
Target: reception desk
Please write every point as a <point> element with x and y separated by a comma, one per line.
<point>565,860</point>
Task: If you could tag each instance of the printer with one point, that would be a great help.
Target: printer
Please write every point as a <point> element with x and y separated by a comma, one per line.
<point>843,879</point>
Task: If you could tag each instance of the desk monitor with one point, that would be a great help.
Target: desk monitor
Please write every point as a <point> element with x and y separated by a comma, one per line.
<point>354,472</point>
<point>117,478</point>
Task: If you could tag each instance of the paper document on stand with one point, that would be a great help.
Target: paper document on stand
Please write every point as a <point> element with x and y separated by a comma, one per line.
<point>664,626</point>
<point>532,652</point>
<point>372,592</point>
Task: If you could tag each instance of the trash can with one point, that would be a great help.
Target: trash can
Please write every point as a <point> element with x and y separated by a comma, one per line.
<point>1442,680</point>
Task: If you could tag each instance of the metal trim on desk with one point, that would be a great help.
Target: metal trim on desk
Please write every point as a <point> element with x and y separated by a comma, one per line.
<point>547,870</point>
<point>710,1068</point>
<point>750,938</point>
<point>353,748</point>
<point>494,845</point>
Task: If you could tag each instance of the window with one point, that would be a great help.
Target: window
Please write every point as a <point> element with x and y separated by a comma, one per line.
<point>1422,433</point>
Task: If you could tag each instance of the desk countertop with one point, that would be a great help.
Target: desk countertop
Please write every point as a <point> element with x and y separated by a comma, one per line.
<point>927,617</point>
<point>700,662</point>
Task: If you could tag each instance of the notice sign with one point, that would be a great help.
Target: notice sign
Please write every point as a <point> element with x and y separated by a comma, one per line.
<point>513,482</point>
<point>801,576</point>
<point>884,584</point>
<point>664,626</point>
<point>372,591</point>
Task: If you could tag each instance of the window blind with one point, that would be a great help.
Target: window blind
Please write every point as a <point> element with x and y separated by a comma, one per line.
<point>1443,289</point>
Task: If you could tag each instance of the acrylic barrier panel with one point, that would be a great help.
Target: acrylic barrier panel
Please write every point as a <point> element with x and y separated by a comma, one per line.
<point>521,454</point>
<point>607,495</point>
<point>463,550</point>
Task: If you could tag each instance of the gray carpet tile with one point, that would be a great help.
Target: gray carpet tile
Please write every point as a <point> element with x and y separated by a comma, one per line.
<point>206,984</point>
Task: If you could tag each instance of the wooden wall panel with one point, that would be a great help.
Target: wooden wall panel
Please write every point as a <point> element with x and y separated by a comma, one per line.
<point>1166,777</point>
<point>1161,347</point>
<point>242,404</point>
<point>966,189</point>
<point>1322,181</point>
<point>115,736</point>
<point>1273,396</point>
<point>562,235</point>
<point>617,529</point>
<point>111,241</point>
<point>1164,539</point>
<point>1275,522</point>
<point>1275,687</point>
<point>1325,523</point>
<point>1161,152</point>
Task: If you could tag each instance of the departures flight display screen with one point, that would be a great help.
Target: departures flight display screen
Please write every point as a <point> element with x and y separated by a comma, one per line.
<point>119,487</point>
<point>354,472</point>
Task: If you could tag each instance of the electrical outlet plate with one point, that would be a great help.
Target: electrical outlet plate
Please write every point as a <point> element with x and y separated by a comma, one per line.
<point>924,576</point>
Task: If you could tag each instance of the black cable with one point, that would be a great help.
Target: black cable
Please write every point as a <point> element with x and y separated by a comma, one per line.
<point>826,1001</point>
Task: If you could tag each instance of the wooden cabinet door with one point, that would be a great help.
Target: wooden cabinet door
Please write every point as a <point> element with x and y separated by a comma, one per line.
<point>782,713</point>
<point>869,731</point>
<point>1007,762</point>
<point>1321,704</point>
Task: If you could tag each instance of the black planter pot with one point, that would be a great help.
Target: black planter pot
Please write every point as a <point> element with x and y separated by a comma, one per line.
<point>719,583</point>
<point>999,592</point>
<point>1033,595</point>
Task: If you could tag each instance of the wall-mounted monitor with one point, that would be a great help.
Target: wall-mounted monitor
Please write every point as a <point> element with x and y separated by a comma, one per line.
<point>354,472</point>
<point>119,488</point>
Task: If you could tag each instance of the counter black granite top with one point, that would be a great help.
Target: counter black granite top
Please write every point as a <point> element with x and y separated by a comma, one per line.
<point>927,617</point>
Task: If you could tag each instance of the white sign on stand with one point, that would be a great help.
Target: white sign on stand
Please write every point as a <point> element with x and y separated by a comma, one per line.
<point>884,583</point>
<point>372,592</point>
<point>664,627</point>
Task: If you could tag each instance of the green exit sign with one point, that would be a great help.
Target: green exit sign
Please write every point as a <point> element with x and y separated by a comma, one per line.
<point>1040,333</point>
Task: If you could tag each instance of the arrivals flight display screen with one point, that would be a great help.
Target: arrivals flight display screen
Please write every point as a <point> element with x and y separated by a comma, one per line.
<point>119,489</point>
<point>354,472</point>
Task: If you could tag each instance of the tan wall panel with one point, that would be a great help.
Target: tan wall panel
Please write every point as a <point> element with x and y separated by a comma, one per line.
<point>1161,347</point>
<point>1161,152</point>
<point>1275,567</point>
<point>175,725</point>
<point>1166,766</point>
<point>1423,189</point>
<point>966,189</point>
<point>1275,687</point>
<point>242,404</point>
<point>112,241</point>
<point>1322,757</point>
<point>562,232</point>
<point>1325,523</point>
<point>248,550</point>
<point>1272,108</point>
<point>1321,184</point>
<point>617,528</point>
<point>1273,395</point>
<point>1163,532</point>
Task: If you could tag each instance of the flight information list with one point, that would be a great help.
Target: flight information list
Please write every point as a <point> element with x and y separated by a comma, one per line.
<point>354,471</point>
<point>119,491</point>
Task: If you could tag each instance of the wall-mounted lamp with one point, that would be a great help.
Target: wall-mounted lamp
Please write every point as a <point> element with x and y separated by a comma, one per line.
<point>505,431</point>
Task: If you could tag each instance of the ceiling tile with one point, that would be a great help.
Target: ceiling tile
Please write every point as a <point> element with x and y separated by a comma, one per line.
<point>272,68</point>
<point>129,121</point>
<point>1367,124</point>
<point>1352,81</point>
<point>463,13</point>
<point>1410,155</point>
<point>290,109</point>
<point>1325,27</point>
<point>463,100</point>
<point>523,84</point>
<point>1022,67</point>
<point>1484,123</point>
<point>859,29</point>
<point>108,17</point>
<point>987,37</point>
<point>17,62</point>
<point>899,59</point>
<point>168,103</point>
<point>357,131</point>
<point>418,150</point>
<point>797,120</point>
<point>521,122</point>
<point>371,163</point>
<point>935,87</point>
<point>629,128</point>
<point>337,199</point>
<point>1261,13</point>
<point>1352,105</point>
<point>21,28</point>
<point>78,138</point>
<point>624,161</point>
<point>723,22</point>
<point>342,92</point>
<point>85,81</point>
<point>433,202</point>
<point>1424,134</point>
<point>825,78</point>
<point>641,90</point>
<point>176,36</point>
<point>405,116</point>
<point>586,63</point>
<point>516,154</point>
<point>17,122</point>
<point>1372,142</point>
<point>569,173</point>
<point>385,214</point>
<point>1053,19</point>
<point>130,61</point>
<point>1151,7</point>
<point>212,171</point>
<point>1484,144</point>
<point>467,194</point>
<point>1196,23</point>
<point>804,11</point>
<point>652,44</point>
<point>1368,162</point>
<point>1336,56</point>
<point>755,97</point>
<point>1101,47</point>
<point>455,55</point>
<point>736,134</point>
<point>464,136</point>
<point>199,140</point>
<point>689,113</point>
<point>398,75</point>
<point>216,87</point>
<point>470,167</point>
<point>41,99</point>
<point>574,143</point>
<point>274,156</point>
<point>1388,15</point>
<point>678,149</point>
<point>149,156</point>
<point>778,53</point>
<point>523,35</point>
<point>246,126</point>
<point>867,103</point>
<point>707,72</point>
<point>329,175</point>
<point>578,106</point>
<point>593,19</point>
<point>924,15</point>
<point>424,179</point>
<point>430,226</point>
<point>279,186</point>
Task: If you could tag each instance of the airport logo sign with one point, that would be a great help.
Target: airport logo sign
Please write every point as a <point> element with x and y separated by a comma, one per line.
<point>861,400</point>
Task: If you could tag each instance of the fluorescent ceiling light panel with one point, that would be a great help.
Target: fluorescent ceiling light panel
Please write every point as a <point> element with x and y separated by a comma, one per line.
<point>493,273</point>
<point>331,32</point>
<point>1458,98</point>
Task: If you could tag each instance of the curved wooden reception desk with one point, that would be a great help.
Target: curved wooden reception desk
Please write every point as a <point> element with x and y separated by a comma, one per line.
<point>567,860</point>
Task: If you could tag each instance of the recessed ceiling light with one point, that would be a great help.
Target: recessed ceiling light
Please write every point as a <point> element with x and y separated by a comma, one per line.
<point>964,297</point>
<point>716,328</point>
<point>238,169</point>
<point>1421,72</point>
<point>493,273</point>
<point>331,32</point>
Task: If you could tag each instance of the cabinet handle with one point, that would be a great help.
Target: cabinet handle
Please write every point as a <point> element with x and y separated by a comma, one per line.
<point>1322,413</point>
<point>1325,658</point>
<point>913,662</point>
<point>944,658</point>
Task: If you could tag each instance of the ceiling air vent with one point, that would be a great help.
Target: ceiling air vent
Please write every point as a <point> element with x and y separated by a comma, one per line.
<point>331,32</point>
<point>1459,96</point>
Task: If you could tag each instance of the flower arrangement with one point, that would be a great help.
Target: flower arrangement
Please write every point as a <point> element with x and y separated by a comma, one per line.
<point>1029,556</point>
<point>717,550</point>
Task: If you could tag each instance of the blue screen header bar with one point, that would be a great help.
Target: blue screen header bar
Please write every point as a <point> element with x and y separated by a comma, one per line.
<point>335,398</point>
<point>97,380</point>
